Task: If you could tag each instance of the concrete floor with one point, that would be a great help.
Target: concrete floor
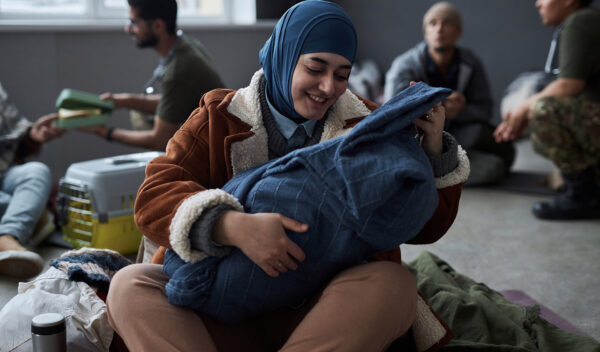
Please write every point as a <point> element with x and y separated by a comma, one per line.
<point>496,240</point>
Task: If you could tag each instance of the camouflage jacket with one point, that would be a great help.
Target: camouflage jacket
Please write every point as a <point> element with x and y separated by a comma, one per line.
<point>14,143</point>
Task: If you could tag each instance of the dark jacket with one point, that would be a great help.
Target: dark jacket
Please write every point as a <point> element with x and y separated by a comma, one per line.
<point>472,83</point>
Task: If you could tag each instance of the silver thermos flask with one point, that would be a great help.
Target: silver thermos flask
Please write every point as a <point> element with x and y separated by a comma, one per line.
<point>48,333</point>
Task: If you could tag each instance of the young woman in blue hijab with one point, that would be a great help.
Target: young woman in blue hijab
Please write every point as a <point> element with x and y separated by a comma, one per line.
<point>298,98</point>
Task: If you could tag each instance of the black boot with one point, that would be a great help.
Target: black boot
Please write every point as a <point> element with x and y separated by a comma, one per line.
<point>580,200</point>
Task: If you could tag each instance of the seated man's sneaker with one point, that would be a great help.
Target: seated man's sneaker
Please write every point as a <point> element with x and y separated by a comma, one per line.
<point>16,261</point>
<point>20,264</point>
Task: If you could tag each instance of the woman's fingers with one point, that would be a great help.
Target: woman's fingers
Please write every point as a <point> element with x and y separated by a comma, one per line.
<point>427,126</point>
<point>288,263</point>
<point>268,245</point>
<point>292,252</point>
<point>295,252</point>
<point>294,225</point>
<point>270,270</point>
<point>432,126</point>
<point>281,266</point>
<point>292,248</point>
<point>284,264</point>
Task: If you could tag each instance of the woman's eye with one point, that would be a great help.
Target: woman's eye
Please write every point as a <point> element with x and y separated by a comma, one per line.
<point>313,70</point>
<point>342,77</point>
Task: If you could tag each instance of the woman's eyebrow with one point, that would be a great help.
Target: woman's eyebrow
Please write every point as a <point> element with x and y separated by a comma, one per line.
<point>319,60</point>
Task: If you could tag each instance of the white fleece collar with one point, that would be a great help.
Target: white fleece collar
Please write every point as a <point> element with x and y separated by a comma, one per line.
<point>245,105</point>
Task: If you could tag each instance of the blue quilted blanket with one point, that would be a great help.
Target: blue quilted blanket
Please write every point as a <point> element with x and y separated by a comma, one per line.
<point>360,194</point>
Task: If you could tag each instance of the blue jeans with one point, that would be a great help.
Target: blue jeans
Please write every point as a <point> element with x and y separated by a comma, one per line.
<point>24,191</point>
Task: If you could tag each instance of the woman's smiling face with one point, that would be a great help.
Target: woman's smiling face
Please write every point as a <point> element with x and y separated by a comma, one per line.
<point>319,80</point>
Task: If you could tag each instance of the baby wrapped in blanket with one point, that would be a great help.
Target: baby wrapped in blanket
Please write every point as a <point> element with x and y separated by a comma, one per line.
<point>360,194</point>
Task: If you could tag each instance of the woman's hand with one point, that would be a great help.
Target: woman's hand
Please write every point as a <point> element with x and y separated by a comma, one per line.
<point>262,238</point>
<point>432,125</point>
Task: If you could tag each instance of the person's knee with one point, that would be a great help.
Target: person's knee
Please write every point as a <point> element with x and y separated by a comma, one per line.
<point>123,286</point>
<point>36,171</point>
<point>544,110</point>
<point>392,275</point>
<point>393,290</point>
<point>542,105</point>
<point>395,285</point>
<point>545,119</point>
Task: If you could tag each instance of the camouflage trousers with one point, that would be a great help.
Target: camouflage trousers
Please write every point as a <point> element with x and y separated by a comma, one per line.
<point>567,131</point>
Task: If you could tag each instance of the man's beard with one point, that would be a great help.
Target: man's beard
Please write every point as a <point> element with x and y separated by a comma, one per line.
<point>443,48</point>
<point>149,41</point>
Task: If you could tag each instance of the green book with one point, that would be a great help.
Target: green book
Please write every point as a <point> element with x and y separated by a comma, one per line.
<point>77,108</point>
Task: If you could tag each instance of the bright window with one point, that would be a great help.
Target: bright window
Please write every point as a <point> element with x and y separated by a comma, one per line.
<point>214,11</point>
<point>35,8</point>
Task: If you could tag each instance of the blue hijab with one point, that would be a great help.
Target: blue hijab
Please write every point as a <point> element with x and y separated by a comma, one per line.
<point>308,27</point>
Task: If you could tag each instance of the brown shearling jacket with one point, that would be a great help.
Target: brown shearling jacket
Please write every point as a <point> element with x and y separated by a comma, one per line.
<point>225,135</point>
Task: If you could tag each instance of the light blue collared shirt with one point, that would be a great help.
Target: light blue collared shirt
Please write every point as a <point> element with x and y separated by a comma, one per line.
<point>287,127</point>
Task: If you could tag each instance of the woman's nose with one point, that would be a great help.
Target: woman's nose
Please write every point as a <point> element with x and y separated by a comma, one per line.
<point>327,85</point>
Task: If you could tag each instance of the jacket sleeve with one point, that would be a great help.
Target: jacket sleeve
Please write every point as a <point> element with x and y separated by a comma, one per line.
<point>442,218</point>
<point>449,190</point>
<point>176,189</point>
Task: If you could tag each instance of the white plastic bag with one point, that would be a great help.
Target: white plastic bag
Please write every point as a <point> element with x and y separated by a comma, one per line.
<point>85,313</point>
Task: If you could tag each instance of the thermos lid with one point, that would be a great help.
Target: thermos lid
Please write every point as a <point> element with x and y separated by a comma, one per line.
<point>47,324</point>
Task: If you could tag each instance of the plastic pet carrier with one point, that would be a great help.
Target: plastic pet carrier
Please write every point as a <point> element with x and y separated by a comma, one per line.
<point>96,199</point>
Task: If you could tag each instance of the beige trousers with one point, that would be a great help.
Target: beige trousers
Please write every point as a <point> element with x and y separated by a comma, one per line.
<point>364,308</point>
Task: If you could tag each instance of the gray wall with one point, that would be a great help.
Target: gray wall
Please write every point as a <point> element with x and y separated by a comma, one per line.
<point>36,64</point>
<point>506,34</point>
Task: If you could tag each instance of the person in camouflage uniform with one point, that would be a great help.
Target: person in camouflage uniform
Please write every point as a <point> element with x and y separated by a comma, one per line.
<point>565,116</point>
<point>24,188</point>
<point>567,131</point>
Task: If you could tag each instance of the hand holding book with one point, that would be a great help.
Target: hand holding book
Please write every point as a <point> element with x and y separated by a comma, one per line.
<point>43,130</point>
<point>81,109</point>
